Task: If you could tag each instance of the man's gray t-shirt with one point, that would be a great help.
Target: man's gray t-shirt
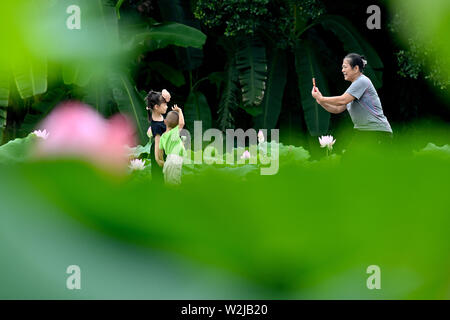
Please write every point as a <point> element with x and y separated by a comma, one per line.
<point>365,110</point>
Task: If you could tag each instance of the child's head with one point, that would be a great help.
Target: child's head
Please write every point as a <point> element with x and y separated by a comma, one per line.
<point>155,102</point>
<point>171,120</point>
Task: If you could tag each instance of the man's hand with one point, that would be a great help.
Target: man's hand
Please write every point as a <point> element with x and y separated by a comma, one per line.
<point>176,108</point>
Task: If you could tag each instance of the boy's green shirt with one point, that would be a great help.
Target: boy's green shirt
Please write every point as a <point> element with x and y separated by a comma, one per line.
<point>171,142</point>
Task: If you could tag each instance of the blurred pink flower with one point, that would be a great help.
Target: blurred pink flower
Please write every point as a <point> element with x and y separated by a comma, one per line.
<point>80,131</point>
<point>245,155</point>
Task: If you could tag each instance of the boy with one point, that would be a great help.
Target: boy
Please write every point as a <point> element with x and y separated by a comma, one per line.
<point>172,145</point>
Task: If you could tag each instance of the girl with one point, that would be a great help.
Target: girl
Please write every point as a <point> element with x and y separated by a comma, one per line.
<point>156,108</point>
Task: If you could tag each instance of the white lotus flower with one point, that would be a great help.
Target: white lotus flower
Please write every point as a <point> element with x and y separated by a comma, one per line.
<point>245,155</point>
<point>41,133</point>
<point>137,164</point>
<point>327,141</point>
<point>260,136</point>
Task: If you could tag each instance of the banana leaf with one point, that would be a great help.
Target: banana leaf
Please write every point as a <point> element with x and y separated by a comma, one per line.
<point>4,86</point>
<point>252,66</point>
<point>229,99</point>
<point>271,104</point>
<point>99,95</point>
<point>41,109</point>
<point>354,42</point>
<point>170,33</point>
<point>129,101</point>
<point>118,5</point>
<point>172,75</point>
<point>197,108</point>
<point>77,73</point>
<point>180,11</point>
<point>307,67</point>
<point>30,76</point>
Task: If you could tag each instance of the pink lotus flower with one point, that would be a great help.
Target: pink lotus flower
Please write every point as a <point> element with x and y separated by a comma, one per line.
<point>260,136</point>
<point>327,141</point>
<point>165,94</point>
<point>246,155</point>
<point>80,131</point>
<point>41,133</point>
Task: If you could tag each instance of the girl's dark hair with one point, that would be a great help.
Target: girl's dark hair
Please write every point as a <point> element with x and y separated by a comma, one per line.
<point>356,60</point>
<point>152,98</point>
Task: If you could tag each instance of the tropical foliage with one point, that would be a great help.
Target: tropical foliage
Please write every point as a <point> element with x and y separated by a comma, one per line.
<point>106,87</point>
<point>259,55</point>
<point>255,69</point>
<point>73,194</point>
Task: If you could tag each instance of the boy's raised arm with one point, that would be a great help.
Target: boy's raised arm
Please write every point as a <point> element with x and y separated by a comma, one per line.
<point>180,116</point>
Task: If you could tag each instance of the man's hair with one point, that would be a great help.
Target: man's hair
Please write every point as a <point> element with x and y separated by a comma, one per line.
<point>172,119</point>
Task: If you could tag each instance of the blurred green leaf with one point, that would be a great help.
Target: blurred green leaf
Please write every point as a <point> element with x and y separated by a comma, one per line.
<point>424,26</point>
<point>17,150</point>
<point>118,5</point>
<point>41,109</point>
<point>30,76</point>
<point>139,150</point>
<point>316,244</point>
<point>77,73</point>
<point>4,86</point>
<point>99,95</point>
<point>47,240</point>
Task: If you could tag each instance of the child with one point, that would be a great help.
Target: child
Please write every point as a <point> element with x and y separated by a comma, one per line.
<point>173,147</point>
<point>156,108</point>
